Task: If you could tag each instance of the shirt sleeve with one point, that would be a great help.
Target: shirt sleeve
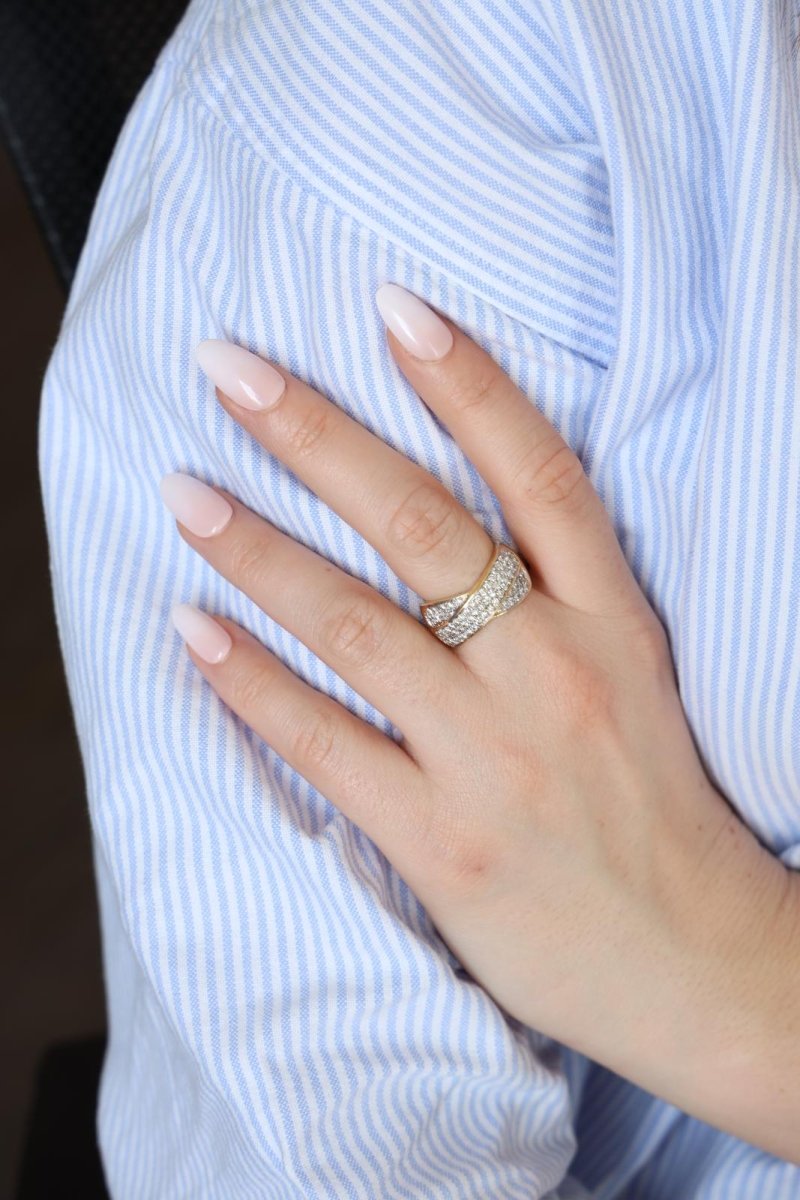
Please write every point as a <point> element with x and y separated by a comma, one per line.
<point>284,1019</point>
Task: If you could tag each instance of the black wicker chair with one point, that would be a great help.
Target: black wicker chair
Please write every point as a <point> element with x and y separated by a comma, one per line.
<point>69,72</point>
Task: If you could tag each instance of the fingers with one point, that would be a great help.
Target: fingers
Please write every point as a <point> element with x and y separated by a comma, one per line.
<point>364,773</point>
<point>558,521</point>
<point>422,532</point>
<point>387,656</point>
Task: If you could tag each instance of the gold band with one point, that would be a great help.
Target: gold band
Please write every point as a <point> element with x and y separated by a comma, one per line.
<point>502,584</point>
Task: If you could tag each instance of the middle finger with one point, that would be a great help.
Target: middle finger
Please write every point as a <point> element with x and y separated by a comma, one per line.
<point>420,529</point>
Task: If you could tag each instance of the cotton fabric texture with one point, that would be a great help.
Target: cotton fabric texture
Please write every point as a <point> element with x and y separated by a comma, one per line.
<point>607,198</point>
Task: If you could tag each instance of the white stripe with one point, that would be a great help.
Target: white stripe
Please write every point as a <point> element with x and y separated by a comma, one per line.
<point>606,197</point>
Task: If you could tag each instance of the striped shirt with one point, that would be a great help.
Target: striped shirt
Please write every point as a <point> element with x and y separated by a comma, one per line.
<point>606,196</point>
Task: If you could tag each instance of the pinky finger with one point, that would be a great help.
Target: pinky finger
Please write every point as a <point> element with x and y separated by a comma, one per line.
<point>368,776</point>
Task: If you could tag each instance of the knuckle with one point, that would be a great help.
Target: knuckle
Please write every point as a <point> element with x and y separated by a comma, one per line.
<point>592,700</point>
<point>472,393</point>
<point>584,693</point>
<point>307,431</point>
<point>470,868</point>
<point>425,520</point>
<point>248,691</point>
<point>463,860</point>
<point>353,629</point>
<point>314,742</point>
<point>550,475</point>
<point>246,560</point>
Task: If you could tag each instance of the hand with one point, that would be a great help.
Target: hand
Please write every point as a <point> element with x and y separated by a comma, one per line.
<point>546,803</point>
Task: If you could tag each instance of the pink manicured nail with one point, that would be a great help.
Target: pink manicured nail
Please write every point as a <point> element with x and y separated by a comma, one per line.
<point>205,636</point>
<point>197,506</point>
<point>246,378</point>
<point>414,324</point>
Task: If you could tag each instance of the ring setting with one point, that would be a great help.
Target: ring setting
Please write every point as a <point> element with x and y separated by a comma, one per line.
<point>502,584</point>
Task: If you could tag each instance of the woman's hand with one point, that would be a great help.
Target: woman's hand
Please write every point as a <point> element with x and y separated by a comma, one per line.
<point>547,803</point>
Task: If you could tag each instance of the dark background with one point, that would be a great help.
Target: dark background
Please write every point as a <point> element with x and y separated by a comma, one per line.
<point>52,985</point>
<point>69,73</point>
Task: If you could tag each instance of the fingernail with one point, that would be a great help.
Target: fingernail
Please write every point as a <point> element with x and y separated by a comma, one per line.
<point>247,379</point>
<point>415,325</point>
<point>197,506</point>
<point>205,635</point>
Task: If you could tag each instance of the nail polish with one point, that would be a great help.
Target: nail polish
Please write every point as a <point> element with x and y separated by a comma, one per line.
<point>202,633</point>
<point>247,379</point>
<point>415,326</point>
<point>197,506</point>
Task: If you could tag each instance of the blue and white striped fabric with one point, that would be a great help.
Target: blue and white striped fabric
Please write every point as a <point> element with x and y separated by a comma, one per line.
<point>607,197</point>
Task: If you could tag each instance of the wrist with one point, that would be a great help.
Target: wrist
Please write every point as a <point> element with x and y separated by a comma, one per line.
<point>727,1049</point>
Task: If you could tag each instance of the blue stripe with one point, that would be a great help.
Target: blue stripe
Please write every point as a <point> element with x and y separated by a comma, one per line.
<point>607,198</point>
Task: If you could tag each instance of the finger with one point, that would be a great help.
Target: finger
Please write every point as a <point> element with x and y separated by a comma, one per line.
<point>556,517</point>
<point>388,657</point>
<point>415,523</point>
<point>364,773</point>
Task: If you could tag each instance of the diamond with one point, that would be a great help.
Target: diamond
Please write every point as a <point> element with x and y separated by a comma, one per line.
<point>506,584</point>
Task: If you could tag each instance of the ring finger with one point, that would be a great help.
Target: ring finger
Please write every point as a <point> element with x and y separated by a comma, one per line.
<point>419,528</point>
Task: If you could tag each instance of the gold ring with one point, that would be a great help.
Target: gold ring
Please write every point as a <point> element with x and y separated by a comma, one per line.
<point>502,584</point>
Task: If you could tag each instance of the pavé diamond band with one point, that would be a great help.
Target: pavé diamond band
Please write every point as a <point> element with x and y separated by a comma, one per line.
<point>503,583</point>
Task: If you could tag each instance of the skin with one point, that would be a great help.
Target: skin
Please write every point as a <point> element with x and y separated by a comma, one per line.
<point>546,802</point>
